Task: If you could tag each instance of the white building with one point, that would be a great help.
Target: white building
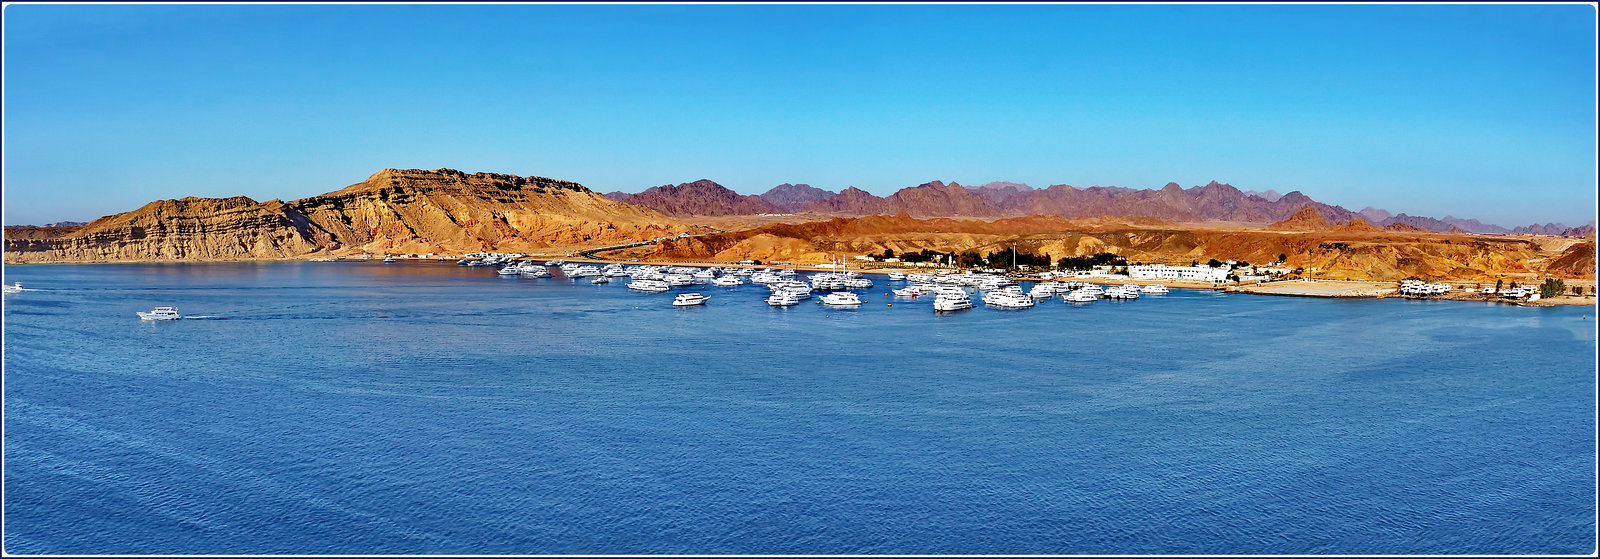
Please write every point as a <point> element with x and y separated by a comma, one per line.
<point>1185,273</point>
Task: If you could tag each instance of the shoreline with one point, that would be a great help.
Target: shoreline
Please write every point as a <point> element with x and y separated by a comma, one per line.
<point>1317,289</point>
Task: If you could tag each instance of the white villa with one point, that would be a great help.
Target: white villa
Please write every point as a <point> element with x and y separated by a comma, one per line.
<point>1185,273</point>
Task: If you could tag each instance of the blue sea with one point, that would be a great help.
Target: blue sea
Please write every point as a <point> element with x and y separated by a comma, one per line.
<point>427,408</point>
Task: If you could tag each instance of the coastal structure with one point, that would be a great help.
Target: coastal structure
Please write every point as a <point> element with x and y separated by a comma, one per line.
<point>1183,273</point>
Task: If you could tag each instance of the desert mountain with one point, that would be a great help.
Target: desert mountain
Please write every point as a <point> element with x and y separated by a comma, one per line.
<point>791,197</point>
<point>1350,251</point>
<point>1270,195</point>
<point>701,197</point>
<point>999,191</point>
<point>393,211</point>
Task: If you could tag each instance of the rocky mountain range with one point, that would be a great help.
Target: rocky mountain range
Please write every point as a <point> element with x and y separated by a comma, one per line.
<point>393,211</point>
<point>791,197</point>
<point>1211,202</point>
<point>701,197</point>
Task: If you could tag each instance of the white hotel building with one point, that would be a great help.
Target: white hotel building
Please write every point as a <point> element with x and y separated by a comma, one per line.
<point>1185,273</point>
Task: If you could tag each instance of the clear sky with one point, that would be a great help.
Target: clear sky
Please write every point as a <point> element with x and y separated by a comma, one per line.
<point>1477,111</point>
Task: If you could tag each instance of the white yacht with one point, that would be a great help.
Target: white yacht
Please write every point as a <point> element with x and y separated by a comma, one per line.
<point>727,281</point>
<point>857,283</point>
<point>649,285</point>
<point>388,260</point>
<point>896,276</point>
<point>783,299</point>
<point>1121,292</point>
<point>841,299</point>
<point>1045,290</point>
<point>1156,289</point>
<point>952,302</point>
<point>585,272</point>
<point>534,271</point>
<point>160,313</point>
<point>600,279</point>
<point>17,288</point>
<point>1080,296</point>
<point>679,280</point>
<point>510,270</point>
<point>706,274</point>
<point>796,292</point>
<point>689,300</point>
<point>909,291</point>
<point>1007,299</point>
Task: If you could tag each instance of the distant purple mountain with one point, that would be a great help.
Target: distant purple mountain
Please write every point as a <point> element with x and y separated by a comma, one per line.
<point>791,196</point>
<point>1270,195</point>
<point>1375,215</point>
<point>998,192</point>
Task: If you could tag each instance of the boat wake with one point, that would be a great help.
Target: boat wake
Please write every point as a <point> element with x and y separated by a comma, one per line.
<point>205,317</point>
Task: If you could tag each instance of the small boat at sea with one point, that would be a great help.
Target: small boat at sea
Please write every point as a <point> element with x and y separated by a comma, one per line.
<point>689,300</point>
<point>388,260</point>
<point>909,291</point>
<point>727,281</point>
<point>599,280</point>
<point>896,276</point>
<point>160,313</point>
<point>952,302</point>
<point>841,299</point>
<point>510,270</point>
<point>1156,289</point>
<point>17,288</point>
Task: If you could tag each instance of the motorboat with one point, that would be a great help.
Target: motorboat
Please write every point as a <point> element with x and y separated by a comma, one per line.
<point>857,283</point>
<point>649,285</point>
<point>1045,290</point>
<point>952,302</point>
<point>16,288</point>
<point>599,280</point>
<point>388,260</point>
<point>909,291</point>
<point>896,276</point>
<point>510,270</point>
<point>1121,292</point>
<point>679,280</point>
<point>783,299</point>
<point>841,299</point>
<point>689,300</point>
<point>160,313</point>
<point>1080,296</point>
<point>1156,289</point>
<point>727,281</point>
<point>796,292</point>
<point>1007,299</point>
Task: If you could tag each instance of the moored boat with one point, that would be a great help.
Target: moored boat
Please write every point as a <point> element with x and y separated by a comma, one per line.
<point>689,299</point>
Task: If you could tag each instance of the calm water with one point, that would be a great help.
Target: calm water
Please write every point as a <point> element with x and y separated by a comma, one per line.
<point>430,408</point>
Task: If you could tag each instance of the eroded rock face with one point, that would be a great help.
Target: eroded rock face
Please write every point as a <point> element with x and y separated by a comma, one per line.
<point>393,211</point>
<point>184,229</point>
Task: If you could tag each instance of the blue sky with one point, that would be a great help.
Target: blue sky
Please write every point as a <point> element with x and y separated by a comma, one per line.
<point>1478,111</point>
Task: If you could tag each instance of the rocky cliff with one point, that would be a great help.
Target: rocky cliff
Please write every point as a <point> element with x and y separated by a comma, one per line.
<point>393,211</point>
